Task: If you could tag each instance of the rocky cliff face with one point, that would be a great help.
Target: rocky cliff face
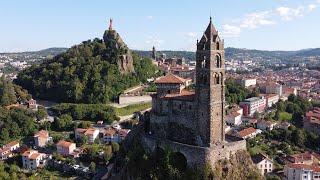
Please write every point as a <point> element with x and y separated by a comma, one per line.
<point>118,51</point>
<point>238,167</point>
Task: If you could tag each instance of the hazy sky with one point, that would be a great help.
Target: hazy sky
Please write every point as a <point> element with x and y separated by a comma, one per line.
<point>167,24</point>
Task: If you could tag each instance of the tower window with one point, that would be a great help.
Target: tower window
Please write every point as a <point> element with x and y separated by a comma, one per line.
<point>218,61</point>
<point>204,62</point>
<point>217,79</point>
<point>218,46</point>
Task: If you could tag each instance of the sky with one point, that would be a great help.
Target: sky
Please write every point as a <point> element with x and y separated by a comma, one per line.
<point>167,24</point>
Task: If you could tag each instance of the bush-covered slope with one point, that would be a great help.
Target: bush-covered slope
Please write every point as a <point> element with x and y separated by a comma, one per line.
<point>92,72</point>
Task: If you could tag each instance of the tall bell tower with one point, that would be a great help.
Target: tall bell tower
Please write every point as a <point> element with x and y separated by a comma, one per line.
<point>210,87</point>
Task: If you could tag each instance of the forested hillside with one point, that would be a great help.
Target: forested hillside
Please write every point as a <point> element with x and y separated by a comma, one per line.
<point>92,72</point>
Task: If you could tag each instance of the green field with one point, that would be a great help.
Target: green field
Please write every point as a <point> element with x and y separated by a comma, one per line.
<point>132,108</point>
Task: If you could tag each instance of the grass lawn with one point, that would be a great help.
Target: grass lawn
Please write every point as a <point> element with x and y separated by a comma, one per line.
<point>284,116</point>
<point>132,108</point>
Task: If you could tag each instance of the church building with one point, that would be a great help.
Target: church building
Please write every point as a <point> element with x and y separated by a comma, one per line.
<point>192,121</point>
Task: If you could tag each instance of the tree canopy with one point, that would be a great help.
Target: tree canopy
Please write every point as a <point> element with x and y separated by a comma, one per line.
<point>86,73</point>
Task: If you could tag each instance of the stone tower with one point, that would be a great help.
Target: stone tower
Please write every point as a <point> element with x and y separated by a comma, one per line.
<point>210,87</point>
<point>154,53</point>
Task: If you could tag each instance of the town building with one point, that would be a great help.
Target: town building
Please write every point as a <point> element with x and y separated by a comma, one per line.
<point>193,122</point>
<point>252,105</point>
<point>308,158</point>
<point>234,117</point>
<point>247,82</point>
<point>42,138</point>
<point>114,135</point>
<point>91,133</point>
<point>33,160</point>
<point>301,171</point>
<point>271,88</point>
<point>263,163</point>
<point>271,99</point>
<point>7,150</point>
<point>32,104</point>
<point>248,133</point>
<point>266,125</point>
<point>65,148</point>
<point>311,121</point>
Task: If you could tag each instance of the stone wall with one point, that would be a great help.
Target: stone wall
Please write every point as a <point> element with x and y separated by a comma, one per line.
<point>123,99</point>
<point>196,155</point>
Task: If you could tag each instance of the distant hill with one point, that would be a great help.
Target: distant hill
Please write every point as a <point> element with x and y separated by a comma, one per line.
<point>45,52</point>
<point>243,54</point>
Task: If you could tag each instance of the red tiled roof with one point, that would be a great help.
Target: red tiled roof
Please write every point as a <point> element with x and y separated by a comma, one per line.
<point>170,79</point>
<point>13,143</point>
<point>246,132</point>
<point>65,144</point>
<point>184,95</point>
<point>42,133</point>
<point>314,168</point>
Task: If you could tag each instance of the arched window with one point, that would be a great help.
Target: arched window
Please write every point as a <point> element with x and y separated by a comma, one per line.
<point>218,46</point>
<point>218,61</point>
<point>217,79</point>
<point>204,62</point>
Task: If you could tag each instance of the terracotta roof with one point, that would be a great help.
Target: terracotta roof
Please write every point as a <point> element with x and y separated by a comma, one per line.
<point>247,132</point>
<point>170,79</point>
<point>184,95</point>
<point>42,133</point>
<point>314,168</point>
<point>110,131</point>
<point>35,155</point>
<point>81,130</point>
<point>90,131</point>
<point>4,150</point>
<point>65,144</point>
<point>13,143</point>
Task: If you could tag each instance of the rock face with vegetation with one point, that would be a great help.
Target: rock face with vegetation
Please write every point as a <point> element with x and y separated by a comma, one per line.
<point>118,51</point>
<point>95,71</point>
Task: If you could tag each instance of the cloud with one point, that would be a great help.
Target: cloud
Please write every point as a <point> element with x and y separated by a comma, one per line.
<point>256,19</point>
<point>266,18</point>
<point>149,17</point>
<point>289,14</point>
<point>312,7</point>
<point>230,30</point>
<point>191,34</point>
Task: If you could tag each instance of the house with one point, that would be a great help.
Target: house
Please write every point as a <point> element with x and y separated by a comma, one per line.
<point>114,135</point>
<point>248,133</point>
<point>301,171</point>
<point>32,159</point>
<point>266,125</point>
<point>65,148</point>
<point>90,133</point>
<point>110,135</point>
<point>308,158</point>
<point>311,121</point>
<point>42,138</point>
<point>263,163</point>
<point>7,150</point>
<point>234,117</point>
<point>32,104</point>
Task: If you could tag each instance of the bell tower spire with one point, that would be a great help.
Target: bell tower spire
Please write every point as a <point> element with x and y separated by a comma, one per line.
<point>210,86</point>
